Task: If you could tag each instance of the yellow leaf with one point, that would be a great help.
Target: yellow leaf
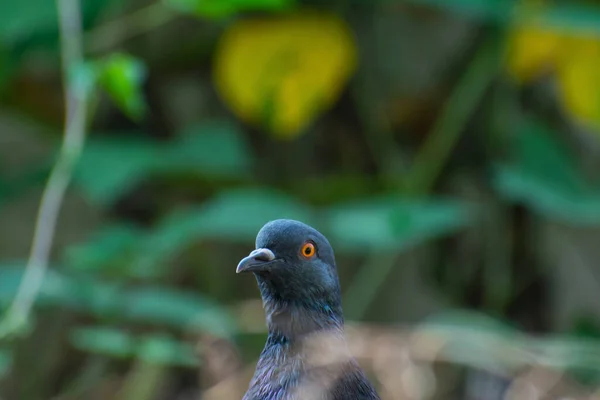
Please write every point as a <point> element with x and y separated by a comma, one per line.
<point>578,76</point>
<point>281,72</point>
<point>532,51</point>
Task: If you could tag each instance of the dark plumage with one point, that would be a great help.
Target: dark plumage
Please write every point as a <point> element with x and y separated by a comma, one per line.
<point>305,356</point>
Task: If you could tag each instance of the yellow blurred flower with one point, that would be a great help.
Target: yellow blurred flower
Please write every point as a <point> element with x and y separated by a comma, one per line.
<point>574,59</point>
<point>281,72</point>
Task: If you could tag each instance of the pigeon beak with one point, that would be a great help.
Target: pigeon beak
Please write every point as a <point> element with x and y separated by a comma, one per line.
<point>256,261</point>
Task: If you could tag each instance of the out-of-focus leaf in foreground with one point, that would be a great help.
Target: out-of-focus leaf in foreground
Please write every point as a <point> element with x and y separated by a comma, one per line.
<point>543,175</point>
<point>282,72</point>
<point>473,339</point>
<point>394,223</point>
<point>479,341</point>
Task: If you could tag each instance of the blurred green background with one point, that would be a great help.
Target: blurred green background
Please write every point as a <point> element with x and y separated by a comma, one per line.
<point>450,151</point>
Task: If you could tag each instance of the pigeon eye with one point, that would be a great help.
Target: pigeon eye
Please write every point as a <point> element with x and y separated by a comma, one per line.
<point>308,250</point>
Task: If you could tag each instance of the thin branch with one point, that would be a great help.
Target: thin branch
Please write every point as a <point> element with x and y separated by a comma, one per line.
<point>54,192</point>
<point>437,148</point>
<point>115,32</point>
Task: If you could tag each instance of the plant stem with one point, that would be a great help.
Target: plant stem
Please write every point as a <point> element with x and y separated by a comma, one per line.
<point>366,284</point>
<point>137,23</point>
<point>438,145</point>
<point>69,13</point>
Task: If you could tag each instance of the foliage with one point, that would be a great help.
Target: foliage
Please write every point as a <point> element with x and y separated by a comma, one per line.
<point>390,223</point>
<point>544,176</point>
<point>224,8</point>
<point>282,72</point>
<point>477,340</point>
<point>185,163</point>
<point>159,349</point>
<point>122,76</point>
<point>214,150</point>
<point>113,300</point>
<point>536,49</point>
<point>22,21</point>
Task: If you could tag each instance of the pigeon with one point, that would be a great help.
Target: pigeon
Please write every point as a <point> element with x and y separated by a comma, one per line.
<point>305,355</point>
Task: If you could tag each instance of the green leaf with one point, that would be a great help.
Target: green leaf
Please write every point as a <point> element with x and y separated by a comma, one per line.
<point>54,290</point>
<point>223,8</point>
<point>235,215</point>
<point>215,148</point>
<point>6,361</point>
<point>175,308</point>
<point>34,175</point>
<point>105,341</point>
<point>213,9</point>
<point>23,20</point>
<point>544,177</point>
<point>110,167</point>
<point>8,67</point>
<point>156,305</point>
<point>389,223</point>
<point>112,248</point>
<point>10,278</point>
<point>122,77</point>
<point>266,5</point>
<point>57,290</point>
<point>112,342</point>
<point>93,296</point>
<point>162,349</point>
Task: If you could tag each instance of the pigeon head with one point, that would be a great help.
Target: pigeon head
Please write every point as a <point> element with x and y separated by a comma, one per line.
<point>295,269</point>
<point>292,261</point>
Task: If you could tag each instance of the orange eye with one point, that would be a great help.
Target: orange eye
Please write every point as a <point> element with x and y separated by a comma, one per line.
<point>308,250</point>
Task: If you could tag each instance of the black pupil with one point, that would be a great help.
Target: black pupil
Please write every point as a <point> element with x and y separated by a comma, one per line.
<point>307,250</point>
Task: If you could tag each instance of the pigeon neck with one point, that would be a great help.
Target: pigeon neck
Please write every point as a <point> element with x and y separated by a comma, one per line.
<point>291,319</point>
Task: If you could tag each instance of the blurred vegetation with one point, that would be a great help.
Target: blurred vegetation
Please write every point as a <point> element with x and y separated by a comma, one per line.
<point>449,149</point>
